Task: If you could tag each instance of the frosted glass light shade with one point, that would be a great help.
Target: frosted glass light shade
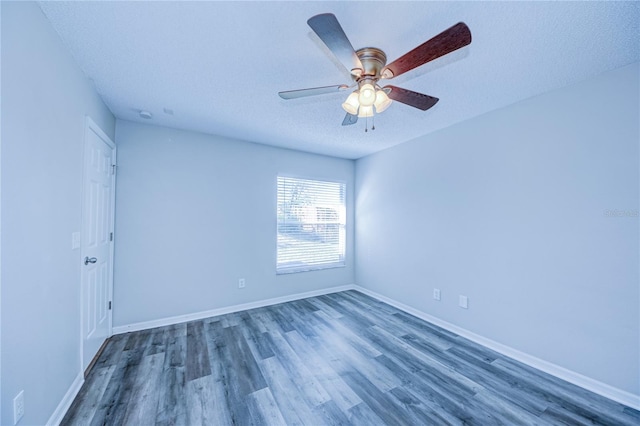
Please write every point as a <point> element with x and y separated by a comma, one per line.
<point>382,101</point>
<point>367,94</point>
<point>351,104</point>
<point>365,111</point>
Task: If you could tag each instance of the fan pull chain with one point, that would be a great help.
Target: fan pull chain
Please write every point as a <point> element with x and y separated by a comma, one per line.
<point>366,124</point>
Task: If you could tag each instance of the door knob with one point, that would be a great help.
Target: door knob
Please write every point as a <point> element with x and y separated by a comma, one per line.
<point>88,260</point>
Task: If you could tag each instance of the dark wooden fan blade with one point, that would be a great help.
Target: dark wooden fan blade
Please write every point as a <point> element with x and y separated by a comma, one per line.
<point>313,91</point>
<point>327,27</point>
<point>446,42</point>
<point>411,98</point>
<point>349,119</point>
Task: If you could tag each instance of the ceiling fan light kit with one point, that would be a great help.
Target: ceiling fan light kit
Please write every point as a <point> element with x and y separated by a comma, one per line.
<point>351,105</point>
<point>367,95</point>
<point>369,65</point>
<point>382,101</point>
<point>365,111</point>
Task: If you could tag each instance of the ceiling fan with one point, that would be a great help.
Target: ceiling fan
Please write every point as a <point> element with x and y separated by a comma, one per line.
<point>369,65</point>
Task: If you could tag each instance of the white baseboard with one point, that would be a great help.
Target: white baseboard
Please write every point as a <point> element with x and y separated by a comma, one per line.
<point>67,400</point>
<point>226,310</point>
<point>577,379</point>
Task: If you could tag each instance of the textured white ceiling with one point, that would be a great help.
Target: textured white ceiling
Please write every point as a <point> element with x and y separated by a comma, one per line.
<point>219,65</point>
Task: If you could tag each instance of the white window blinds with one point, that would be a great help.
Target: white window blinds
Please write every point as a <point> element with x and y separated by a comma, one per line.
<point>311,225</point>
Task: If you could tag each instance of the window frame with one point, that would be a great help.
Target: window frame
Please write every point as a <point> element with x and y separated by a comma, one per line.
<point>344,227</point>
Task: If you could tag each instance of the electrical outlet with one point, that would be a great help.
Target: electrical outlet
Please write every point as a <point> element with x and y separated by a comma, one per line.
<point>18,407</point>
<point>241,283</point>
<point>436,293</point>
<point>463,301</point>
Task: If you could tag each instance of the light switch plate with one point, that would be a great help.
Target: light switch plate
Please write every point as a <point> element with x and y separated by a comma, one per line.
<point>75,240</point>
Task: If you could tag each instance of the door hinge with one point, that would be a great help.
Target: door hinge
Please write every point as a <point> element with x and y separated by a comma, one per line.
<point>113,169</point>
<point>109,305</point>
<point>111,236</point>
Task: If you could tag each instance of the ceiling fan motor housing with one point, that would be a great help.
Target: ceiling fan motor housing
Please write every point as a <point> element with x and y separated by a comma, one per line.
<point>373,60</point>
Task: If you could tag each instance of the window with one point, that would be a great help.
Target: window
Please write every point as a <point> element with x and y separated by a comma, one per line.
<point>311,220</point>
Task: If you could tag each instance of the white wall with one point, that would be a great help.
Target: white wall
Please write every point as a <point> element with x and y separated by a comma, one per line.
<point>194,213</point>
<point>45,98</point>
<point>509,209</point>
<point>0,218</point>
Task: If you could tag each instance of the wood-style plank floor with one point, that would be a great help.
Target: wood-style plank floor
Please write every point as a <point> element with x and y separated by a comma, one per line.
<point>338,359</point>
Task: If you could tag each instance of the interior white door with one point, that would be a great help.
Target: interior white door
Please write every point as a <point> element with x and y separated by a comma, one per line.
<point>96,248</point>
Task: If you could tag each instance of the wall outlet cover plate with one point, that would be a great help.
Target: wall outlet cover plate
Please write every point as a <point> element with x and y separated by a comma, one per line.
<point>463,301</point>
